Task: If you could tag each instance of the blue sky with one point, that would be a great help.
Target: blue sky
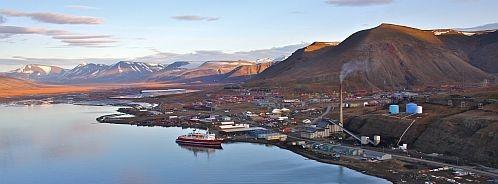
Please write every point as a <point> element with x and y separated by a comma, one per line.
<point>140,29</point>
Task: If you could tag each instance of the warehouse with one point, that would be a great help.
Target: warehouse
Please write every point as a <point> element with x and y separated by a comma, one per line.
<point>376,155</point>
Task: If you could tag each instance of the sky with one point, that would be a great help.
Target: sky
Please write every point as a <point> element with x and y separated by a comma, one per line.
<point>69,32</point>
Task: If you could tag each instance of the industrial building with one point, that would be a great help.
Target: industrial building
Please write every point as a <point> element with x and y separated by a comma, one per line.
<point>267,135</point>
<point>376,155</point>
<point>337,149</point>
<point>238,128</point>
<point>322,129</point>
<point>314,133</point>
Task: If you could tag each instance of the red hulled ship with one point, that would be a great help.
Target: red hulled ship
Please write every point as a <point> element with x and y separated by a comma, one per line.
<point>200,139</point>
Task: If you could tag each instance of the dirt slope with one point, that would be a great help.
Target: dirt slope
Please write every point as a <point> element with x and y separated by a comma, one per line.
<point>385,57</point>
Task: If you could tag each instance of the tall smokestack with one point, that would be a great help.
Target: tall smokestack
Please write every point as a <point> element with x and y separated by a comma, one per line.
<point>340,106</point>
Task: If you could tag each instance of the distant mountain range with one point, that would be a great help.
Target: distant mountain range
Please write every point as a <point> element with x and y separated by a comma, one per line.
<point>391,57</point>
<point>492,26</point>
<point>385,57</point>
<point>127,71</point>
<point>211,71</point>
<point>36,72</point>
<point>123,71</point>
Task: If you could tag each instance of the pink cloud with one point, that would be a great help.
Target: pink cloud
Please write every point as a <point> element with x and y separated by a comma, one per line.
<point>54,18</point>
<point>195,18</point>
<point>72,39</point>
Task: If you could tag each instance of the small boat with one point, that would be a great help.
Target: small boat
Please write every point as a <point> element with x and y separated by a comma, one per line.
<point>200,139</point>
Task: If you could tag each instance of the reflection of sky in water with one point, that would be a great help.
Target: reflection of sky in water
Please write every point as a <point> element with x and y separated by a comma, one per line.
<point>63,144</point>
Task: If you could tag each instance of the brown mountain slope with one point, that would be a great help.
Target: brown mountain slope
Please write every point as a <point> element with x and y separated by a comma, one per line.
<point>10,87</point>
<point>481,49</point>
<point>210,71</point>
<point>242,72</point>
<point>8,84</point>
<point>248,70</point>
<point>319,45</point>
<point>210,68</point>
<point>386,57</point>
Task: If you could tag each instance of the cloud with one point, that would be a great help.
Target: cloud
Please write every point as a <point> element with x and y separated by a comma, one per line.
<point>72,39</point>
<point>297,12</point>
<point>89,42</point>
<point>209,55</point>
<point>54,18</point>
<point>197,57</point>
<point>2,19</point>
<point>81,7</point>
<point>15,30</point>
<point>195,18</point>
<point>358,2</point>
<point>81,36</point>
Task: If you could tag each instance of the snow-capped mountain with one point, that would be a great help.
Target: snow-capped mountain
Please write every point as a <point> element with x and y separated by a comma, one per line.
<point>36,72</point>
<point>38,69</point>
<point>119,72</point>
<point>133,67</point>
<point>127,71</point>
<point>84,71</point>
<point>208,71</point>
<point>176,65</point>
<point>439,32</point>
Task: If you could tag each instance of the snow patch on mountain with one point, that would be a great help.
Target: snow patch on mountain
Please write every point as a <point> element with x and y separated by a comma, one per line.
<point>46,69</point>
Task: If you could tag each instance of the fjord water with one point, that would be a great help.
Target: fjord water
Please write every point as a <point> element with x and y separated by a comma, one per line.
<point>64,144</point>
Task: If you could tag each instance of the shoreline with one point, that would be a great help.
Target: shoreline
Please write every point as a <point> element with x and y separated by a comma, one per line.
<point>311,156</point>
<point>349,163</point>
<point>393,170</point>
<point>380,169</point>
<point>367,168</point>
<point>303,153</point>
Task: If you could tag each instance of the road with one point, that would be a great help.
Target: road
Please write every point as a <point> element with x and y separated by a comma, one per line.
<point>441,164</point>
<point>327,111</point>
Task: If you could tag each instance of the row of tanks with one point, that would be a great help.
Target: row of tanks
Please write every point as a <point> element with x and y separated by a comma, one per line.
<point>411,108</point>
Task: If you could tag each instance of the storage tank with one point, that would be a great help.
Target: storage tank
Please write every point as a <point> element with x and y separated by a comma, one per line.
<point>404,146</point>
<point>394,109</point>
<point>376,139</point>
<point>364,139</point>
<point>411,108</point>
<point>419,109</point>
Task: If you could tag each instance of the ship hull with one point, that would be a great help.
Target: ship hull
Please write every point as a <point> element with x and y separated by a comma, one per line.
<point>200,143</point>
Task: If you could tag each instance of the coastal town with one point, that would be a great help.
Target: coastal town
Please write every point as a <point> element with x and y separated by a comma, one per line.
<point>320,125</point>
<point>309,123</point>
<point>271,92</point>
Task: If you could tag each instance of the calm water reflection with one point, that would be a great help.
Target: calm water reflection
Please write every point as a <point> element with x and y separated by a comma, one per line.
<point>64,144</point>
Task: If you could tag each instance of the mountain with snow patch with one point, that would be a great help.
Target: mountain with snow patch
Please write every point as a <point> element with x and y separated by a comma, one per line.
<point>123,71</point>
<point>36,72</point>
<point>128,71</point>
<point>83,72</point>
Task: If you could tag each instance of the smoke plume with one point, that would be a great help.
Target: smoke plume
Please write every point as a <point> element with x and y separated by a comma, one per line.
<point>351,67</point>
